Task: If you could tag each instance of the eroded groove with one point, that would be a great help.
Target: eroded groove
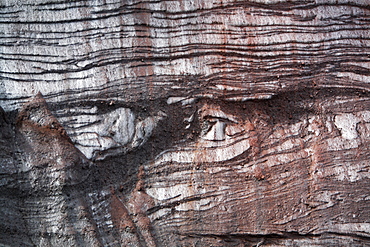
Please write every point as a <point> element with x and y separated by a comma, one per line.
<point>241,123</point>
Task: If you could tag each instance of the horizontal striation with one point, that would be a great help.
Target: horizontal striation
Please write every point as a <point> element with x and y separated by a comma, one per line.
<point>245,122</point>
<point>293,176</point>
<point>52,46</point>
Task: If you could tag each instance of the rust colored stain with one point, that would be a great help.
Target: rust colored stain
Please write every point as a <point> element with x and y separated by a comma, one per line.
<point>120,216</point>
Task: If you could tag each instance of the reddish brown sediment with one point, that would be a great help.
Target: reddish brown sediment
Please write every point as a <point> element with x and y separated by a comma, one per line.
<point>184,123</point>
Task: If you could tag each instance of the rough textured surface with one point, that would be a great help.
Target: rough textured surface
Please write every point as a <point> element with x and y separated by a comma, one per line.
<point>184,123</point>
